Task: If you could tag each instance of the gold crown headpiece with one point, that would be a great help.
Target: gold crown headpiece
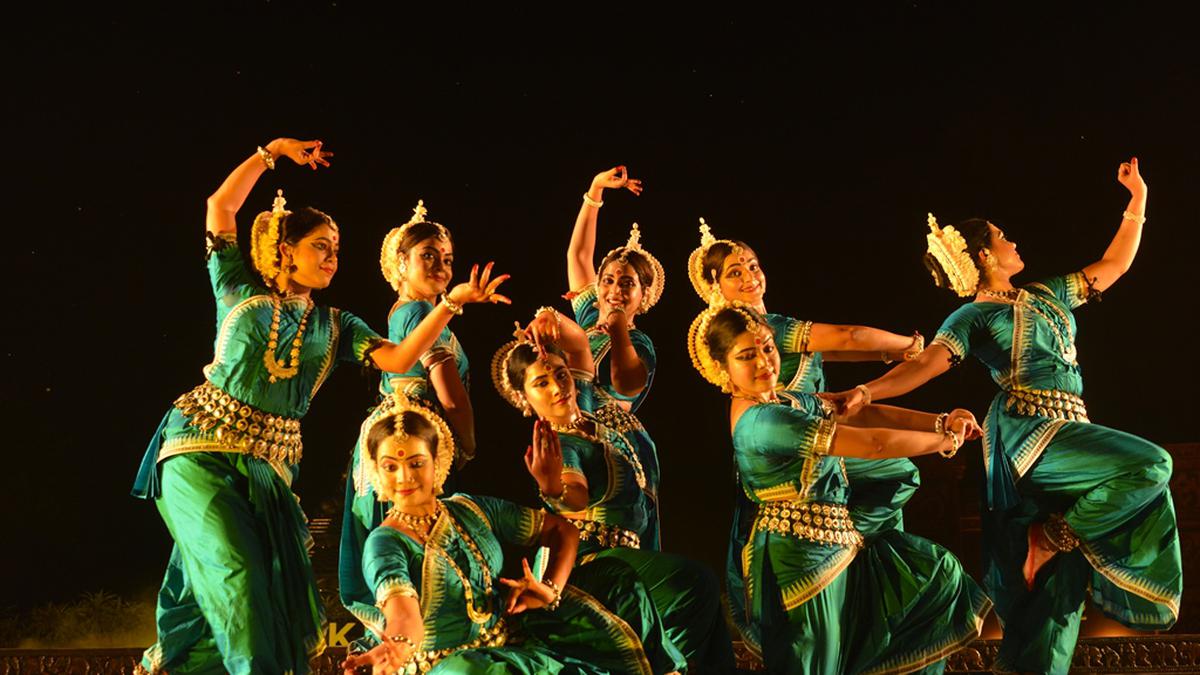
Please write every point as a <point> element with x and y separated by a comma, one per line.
<point>702,359</point>
<point>707,289</point>
<point>390,261</point>
<point>264,239</point>
<point>365,475</point>
<point>652,293</point>
<point>949,248</point>
<point>500,372</point>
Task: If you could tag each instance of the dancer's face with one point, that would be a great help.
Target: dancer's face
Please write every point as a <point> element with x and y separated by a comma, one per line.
<point>405,467</point>
<point>429,268</point>
<point>1004,251</point>
<point>753,362</point>
<point>550,389</point>
<point>315,257</point>
<point>619,286</point>
<point>742,278</point>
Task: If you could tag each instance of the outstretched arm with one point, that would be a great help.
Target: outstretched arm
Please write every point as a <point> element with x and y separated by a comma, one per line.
<point>896,382</point>
<point>828,338</point>
<point>1124,246</point>
<point>403,618</point>
<point>877,443</point>
<point>224,204</point>
<point>400,357</point>
<point>581,263</point>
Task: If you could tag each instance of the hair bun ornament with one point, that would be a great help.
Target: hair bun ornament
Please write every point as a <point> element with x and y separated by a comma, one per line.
<point>702,359</point>
<point>265,236</point>
<point>389,252</point>
<point>652,293</point>
<point>949,248</point>
<point>365,476</point>
<point>500,371</point>
<point>708,291</point>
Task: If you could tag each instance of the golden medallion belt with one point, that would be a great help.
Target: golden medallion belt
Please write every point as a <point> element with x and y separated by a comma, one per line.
<point>822,523</point>
<point>424,661</point>
<point>1051,403</point>
<point>608,536</point>
<point>240,426</point>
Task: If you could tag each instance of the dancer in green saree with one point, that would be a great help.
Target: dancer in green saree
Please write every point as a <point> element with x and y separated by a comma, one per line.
<point>826,599</point>
<point>417,261</point>
<point>592,474</point>
<point>605,300</point>
<point>724,270</point>
<point>434,568</point>
<point>238,595</point>
<point>1071,506</point>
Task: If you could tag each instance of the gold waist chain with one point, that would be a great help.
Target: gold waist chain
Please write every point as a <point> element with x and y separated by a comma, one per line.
<point>424,661</point>
<point>822,523</point>
<point>608,536</point>
<point>1051,403</point>
<point>241,426</point>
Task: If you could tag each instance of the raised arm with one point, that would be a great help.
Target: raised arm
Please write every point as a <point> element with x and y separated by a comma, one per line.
<point>1124,247</point>
<point>224,204</point>
<point>581,262</point>
<point>400,357</point>
<point>551,327</point>
<point>543,459</point>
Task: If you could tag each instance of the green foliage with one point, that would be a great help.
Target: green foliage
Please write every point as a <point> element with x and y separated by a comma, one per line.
<point>99,619</point>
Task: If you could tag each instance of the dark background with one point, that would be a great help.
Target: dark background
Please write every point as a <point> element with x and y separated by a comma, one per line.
<point>822,139</point>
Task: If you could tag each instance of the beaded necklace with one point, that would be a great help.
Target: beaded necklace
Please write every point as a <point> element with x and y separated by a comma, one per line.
<point>575,428</point>
<point>477,615</point>
<point>284,371</point>
<point>420,524</point>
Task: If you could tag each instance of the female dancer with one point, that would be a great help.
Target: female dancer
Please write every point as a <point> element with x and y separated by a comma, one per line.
<point>238,592</point>
<point>591,474</point>
<point>416,259</point>
<point>1088,503</point>
<point>827,600</point>
<point>432,566</point>
<point>605,303</point>
<point>723,270</point>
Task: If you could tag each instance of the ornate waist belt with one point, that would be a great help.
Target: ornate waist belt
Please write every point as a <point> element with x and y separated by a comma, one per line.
<point>608,536</point>
<point>613,416</point>
<point>1050,403</point>
<point>822,523</point>
<point>423,661</point>
<point>241,426</point>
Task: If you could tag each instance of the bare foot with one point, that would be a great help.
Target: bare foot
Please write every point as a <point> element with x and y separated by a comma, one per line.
<point>1040,552</point>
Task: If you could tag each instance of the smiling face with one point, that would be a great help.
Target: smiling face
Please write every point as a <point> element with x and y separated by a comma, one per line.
<point>619,286</point>
<point>1004,252</point>
<point>742,278</point>
<point>405,468</point>
<point>753,362</point>
<point>550,389</point>
<point>315,257</point>
<point>429,265</point>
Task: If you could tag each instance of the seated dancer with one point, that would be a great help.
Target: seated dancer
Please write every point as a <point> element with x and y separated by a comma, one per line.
<point>605,303</point>
<point>238,593</point>
<point>724,270</point>
<point>828,600</point>
<point>416,259</point>
<point>591,474</point>
<point>434,565</point>
<point>1088,503</point>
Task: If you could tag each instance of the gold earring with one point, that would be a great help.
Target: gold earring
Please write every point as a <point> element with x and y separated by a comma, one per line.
<point>989,261</point>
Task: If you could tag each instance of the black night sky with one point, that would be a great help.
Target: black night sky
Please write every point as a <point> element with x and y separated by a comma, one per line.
<point>822,139</point>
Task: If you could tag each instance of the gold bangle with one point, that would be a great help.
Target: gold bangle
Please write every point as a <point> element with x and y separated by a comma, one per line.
<point>591,202</point>
<point>553,604</point>
<point>939,425</point>
<point>955,443</point>
<point>866,392</point>
<point>1130,215</point>
<point>266,156</point>
<point>454,308</point>
<point>401,637</point>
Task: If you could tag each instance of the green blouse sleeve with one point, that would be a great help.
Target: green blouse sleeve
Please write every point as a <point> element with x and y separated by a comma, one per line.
<point>356,340</point>
<point>957,330</point>
<point>644,346</point>
<point>231,278</point>
<point>777,449</point>
<point>405,320</point>
<point>385,564</point>
<point>584,305</point>
<point>572,456</point>
<point>1071,290</point>
<point>511,523</point>
<point>791,335</point>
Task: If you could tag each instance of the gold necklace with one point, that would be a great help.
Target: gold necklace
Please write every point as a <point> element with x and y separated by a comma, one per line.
<point>477,615</point>
<point>575,428</point>
<point>284,371</point>
<point>1010,295</point>
<point>774,398</point>
<point>420,524</point>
